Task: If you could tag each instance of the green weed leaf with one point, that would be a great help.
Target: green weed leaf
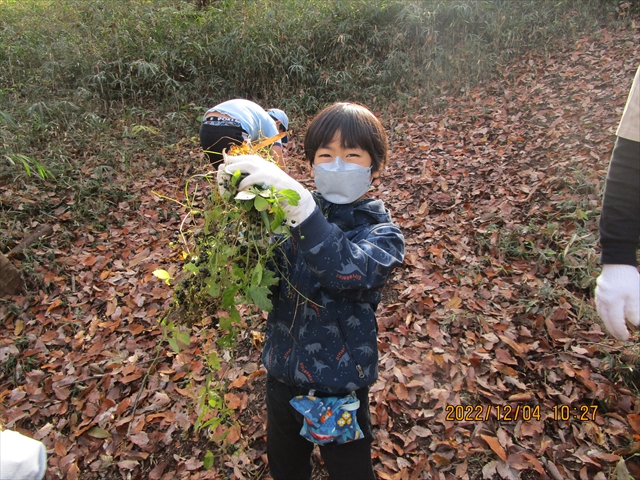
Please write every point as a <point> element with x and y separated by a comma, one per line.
<point>228,268</point>
<point>213,361</point>
<point>256,275</point>
<point>234,315</point>
<point>228,297</point>
<point>278,219</point>
<point>174,345</point>
<point>260,296</point>
<point>190,267</point>
<point>225,324</point>
<point>260,204</point>
<point>208,460</point>
<point>291,196</point>
<point>213,288</point>
<point>269,279</point>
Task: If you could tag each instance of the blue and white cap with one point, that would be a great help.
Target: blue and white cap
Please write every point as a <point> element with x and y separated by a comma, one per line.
<point>281,117</point>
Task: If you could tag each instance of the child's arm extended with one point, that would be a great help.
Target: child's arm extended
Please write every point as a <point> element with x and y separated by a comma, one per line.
<point>342,264</point>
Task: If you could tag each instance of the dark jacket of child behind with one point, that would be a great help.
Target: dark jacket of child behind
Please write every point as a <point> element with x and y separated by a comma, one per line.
<point>321,333</point>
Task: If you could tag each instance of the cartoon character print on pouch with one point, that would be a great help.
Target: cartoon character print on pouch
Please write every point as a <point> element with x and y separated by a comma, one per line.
<point>330,419</point>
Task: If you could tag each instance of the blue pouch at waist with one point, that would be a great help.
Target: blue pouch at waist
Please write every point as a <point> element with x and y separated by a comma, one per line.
<point>329,419</point>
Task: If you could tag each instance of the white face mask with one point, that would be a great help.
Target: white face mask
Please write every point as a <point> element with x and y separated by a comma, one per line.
<point>341,182</point>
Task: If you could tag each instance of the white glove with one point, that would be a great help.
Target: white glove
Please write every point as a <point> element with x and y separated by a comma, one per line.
<point>617,297</point>
<point>21,457</point>
<point>263,172</point>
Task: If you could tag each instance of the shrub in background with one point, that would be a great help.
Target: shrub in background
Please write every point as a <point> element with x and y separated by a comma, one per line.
<point>106,79</point>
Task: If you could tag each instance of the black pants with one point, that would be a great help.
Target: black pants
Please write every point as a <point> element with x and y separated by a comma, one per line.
<point>290,454</point>
<point>215,139</point>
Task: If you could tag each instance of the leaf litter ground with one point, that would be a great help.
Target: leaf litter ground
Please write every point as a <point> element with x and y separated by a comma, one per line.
<point>498,195</point>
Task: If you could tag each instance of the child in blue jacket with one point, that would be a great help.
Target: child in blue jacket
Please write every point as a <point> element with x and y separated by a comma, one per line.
<point>321,337</point>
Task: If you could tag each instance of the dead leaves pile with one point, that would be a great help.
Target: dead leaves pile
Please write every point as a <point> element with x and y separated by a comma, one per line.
<point>492,310</point>
<point>497,194</point>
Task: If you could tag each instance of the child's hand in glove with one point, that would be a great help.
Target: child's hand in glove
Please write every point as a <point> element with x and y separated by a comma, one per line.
<point>262,172</point>
<point>617,297</point>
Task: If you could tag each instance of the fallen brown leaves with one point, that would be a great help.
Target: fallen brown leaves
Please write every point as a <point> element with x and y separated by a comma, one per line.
<point>494,195</point>
<point>479,320</point>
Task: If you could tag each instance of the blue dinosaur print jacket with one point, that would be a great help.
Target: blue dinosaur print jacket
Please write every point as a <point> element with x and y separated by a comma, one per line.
<point>322,331</point>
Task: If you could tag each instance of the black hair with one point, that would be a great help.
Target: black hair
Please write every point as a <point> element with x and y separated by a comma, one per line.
<point>358,128</point>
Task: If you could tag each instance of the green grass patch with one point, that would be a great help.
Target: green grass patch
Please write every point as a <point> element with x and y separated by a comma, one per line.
<point>90,84</point>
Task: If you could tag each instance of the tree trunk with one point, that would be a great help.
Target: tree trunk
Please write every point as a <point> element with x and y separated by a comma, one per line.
<point>11,282</point>
<point>33,237</point>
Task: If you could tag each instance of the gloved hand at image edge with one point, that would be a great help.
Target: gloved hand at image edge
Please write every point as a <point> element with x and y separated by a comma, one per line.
<point>21,457</point>
<point>263,172</point>
<point>618,297</point>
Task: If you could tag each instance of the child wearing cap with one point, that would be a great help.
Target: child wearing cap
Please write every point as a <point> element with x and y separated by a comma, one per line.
<point>236,121</point>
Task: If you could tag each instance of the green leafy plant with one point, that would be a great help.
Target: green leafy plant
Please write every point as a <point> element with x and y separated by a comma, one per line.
<point>227,266</point>
<point>229,256</point>
<point>212,407</point>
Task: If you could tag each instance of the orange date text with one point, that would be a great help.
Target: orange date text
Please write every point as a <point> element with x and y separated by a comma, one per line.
<point>482,413</point>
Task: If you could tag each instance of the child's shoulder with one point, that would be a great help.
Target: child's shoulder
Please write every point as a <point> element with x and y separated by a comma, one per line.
<point>375,208</point>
